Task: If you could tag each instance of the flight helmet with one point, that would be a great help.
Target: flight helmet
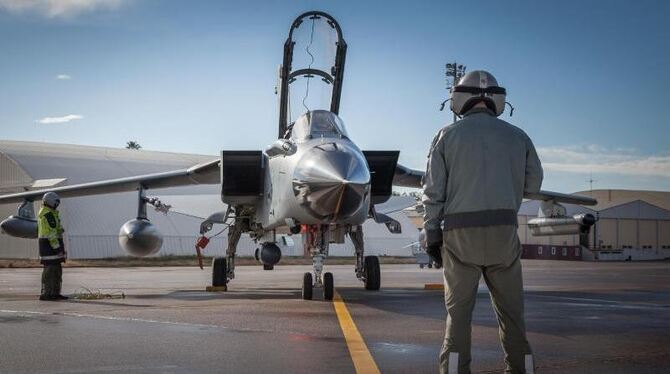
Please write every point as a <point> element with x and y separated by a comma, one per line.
<point>476,86</point>
<point>51,200</point>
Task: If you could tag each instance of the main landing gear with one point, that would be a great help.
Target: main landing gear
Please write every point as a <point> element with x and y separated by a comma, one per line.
<point>367,267</point>
<point>223,268</point>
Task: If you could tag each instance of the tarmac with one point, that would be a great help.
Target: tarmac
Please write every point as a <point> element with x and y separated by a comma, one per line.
<point>582,317</point>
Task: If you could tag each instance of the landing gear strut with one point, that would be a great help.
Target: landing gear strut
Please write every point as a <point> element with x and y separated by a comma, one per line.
<point>367,267</point>
<point>223,268</point>
<point>316,242</point>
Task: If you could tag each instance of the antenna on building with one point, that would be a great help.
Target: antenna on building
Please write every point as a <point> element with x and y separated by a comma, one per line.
<point>591,180</point>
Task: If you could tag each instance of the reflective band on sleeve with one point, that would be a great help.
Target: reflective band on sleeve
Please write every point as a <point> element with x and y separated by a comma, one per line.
<point>453,363</point>
<point>530,365</point>
<point>54,257</point>
<point>496,217</point>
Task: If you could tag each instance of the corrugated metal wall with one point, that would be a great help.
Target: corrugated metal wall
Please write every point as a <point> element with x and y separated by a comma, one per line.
<point>664,234</point>
<point>12,177</point>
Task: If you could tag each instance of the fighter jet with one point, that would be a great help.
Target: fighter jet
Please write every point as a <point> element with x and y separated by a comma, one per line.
<point>313,181</point>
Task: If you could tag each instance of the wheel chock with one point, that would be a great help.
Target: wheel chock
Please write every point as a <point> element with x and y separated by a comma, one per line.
<point>216,289</point>
<point>433,286</point>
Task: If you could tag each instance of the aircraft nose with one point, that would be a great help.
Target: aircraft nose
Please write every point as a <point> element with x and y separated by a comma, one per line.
<point>332,181</point>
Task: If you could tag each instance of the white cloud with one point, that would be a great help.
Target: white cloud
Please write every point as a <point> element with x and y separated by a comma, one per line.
<point>597,159</point>
<point>63,77</point>
<point>64,119</point>
<point>58,8</point>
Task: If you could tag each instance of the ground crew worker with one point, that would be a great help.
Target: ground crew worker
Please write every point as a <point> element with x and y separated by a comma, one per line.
<point>478,169</point>
<point>52,249</point>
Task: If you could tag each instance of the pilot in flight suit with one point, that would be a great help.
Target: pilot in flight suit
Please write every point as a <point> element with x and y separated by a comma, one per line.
<point>478,170</point>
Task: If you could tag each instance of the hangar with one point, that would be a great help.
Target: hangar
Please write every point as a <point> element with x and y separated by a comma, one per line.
<point>628,228</point>
<point>632,225</point>
<point>92,223</point>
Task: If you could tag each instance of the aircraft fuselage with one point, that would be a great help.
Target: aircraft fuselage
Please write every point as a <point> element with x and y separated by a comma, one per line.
<point>319,180</point>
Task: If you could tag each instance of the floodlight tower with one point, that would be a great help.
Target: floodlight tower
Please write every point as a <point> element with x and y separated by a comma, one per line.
<point>456,71</point>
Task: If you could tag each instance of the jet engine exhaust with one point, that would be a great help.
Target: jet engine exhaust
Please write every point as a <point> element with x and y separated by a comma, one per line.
<point>140,238</point>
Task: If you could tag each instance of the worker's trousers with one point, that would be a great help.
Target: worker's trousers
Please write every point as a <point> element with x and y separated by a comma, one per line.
<point>52,279</point>
<point>494,252</point>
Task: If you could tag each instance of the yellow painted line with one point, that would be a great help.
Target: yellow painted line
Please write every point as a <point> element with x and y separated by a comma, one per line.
<point>360,355</point>
<point>433,286</point>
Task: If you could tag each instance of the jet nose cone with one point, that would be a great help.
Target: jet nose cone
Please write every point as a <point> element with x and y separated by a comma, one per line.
<point>332,181</point>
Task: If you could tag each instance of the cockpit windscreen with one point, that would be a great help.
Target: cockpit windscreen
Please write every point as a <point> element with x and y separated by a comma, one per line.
<point>318,124</point>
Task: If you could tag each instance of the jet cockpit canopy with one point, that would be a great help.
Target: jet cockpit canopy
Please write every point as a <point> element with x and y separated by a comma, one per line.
<point>318,124</point>
<point>320,60</point>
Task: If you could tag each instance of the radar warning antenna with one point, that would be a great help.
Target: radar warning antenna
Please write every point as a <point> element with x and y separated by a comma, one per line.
<point>287,75</point>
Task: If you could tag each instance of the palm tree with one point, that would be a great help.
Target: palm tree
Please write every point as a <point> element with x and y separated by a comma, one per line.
<point>133,145</point>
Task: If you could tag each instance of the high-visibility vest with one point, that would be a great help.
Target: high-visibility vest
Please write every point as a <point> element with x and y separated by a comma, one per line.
<point>50,235</point>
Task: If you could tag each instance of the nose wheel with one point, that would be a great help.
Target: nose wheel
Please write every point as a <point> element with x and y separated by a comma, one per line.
<point>308,286</point>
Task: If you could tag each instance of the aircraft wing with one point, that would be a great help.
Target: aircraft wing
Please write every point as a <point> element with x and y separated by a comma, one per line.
<point>205,173</point>
<point>406,177</point>
<point>560,197</point>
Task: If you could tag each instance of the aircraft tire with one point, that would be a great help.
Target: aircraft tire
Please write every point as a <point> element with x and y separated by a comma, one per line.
<point>307,286</point>
<point>372,273</point>
<point>328,286</point>
<point>219,271</point>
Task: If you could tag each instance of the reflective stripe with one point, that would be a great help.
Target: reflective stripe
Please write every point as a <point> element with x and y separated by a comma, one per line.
<point>49,237</point>
<point>453,363</point>
<point>530,365</point>
<point>496,217</point>
<point>54,257</point>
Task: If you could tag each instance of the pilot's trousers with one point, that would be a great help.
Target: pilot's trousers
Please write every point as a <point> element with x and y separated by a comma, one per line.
<point>494,252</point>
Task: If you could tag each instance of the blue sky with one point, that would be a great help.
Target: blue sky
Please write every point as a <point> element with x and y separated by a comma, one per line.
<point>588,78</point>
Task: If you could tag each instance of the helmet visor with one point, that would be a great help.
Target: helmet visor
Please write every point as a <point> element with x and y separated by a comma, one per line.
<point>481,91</point>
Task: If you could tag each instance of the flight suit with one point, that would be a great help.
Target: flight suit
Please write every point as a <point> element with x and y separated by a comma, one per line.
<point>52,251</point>
<point>478,169</point>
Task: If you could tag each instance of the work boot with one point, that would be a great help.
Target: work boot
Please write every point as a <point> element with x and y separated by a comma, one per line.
<point>47,298</point>
<point>61,297</point>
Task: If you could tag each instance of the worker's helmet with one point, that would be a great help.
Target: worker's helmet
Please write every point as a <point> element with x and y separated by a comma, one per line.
<point>51,200</point>
<point>476,86</point>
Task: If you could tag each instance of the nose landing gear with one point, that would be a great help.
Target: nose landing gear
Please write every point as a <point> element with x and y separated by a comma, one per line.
<point>327,284</point>
<point>316,242</point>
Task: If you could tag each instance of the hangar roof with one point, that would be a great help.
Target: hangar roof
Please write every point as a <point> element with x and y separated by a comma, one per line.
<point>610,198</point>
<point>81,164</point>
<point>637,209</point>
